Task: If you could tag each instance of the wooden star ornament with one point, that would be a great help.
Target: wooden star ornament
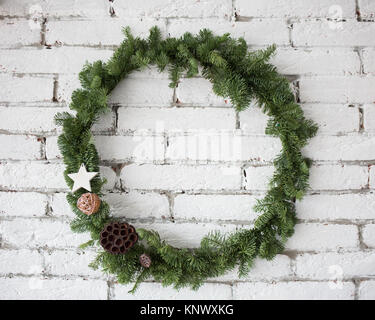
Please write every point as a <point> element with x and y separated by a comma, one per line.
<point>82,178</point>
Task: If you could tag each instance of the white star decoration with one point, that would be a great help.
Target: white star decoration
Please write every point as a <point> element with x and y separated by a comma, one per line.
<point>82,178</point>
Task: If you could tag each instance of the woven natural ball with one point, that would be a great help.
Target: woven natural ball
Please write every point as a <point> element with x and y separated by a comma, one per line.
<point>89,203</point>
<point>145,260</point>
<point>118,238</point>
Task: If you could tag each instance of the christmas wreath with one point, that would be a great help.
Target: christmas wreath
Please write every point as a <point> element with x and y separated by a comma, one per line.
<point>135,255</point>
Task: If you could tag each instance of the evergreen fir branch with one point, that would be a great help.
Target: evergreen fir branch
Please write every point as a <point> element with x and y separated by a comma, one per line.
<point>236,74</point>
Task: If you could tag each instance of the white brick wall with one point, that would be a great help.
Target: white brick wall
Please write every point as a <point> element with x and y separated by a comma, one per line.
<point>301,8</point>
<point>182,161</point>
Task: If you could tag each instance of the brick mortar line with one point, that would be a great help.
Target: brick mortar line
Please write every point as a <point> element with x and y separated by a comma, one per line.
<point>189,191</point>
<point>358,11</point>
<point>292,254</point>
<point>34,104</point>
<point>360,74</point>
<point>235,133</point>
<point>172,219</point>
<point>250,47</point>
<point>258,193</point>
<point>270,280</point>
<point>241,18</point>
<point>356,289</point>
<point>183,221</point>
<point>62,104</point>
<point>191,163</point>
<point>102,47</point>
<point>359,51</point>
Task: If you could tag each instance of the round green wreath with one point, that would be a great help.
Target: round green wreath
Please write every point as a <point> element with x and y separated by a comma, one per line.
<point>235,73</point>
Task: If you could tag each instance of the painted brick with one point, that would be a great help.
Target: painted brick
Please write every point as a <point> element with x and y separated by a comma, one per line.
<point>294,290</point>
<point>25,89</point>
<point>32,175</point>
<point>53,153</point>
<point>60,206</point>
<point>316,61</point>
<point>187,235</point>
<point>253,120</point>
<point>262,269</point>
<point>63,263</point>
<point>180,177</point>
<point>356,147</point>
<point>368,59</point>
<point>104,125</point>
<point>20,262</point>
<point>372,177</point>
<point>366,290</point>
<point>322,237</point>
<point>65,86</point>
<point>175,119</point>
<point>330,33</point>
<point>109,174</point>
<point>257,178</point>
<point>138,205</point>
<point>149,72</point>
<point>14,8</point>
<point>19,32</point>
<point>369,118</point>
<point>174,9</point>
<point>23,204</point>
<point>255,32</point>
<point>57,289</point>
<point>142,92</point>
<point>20,147</point>
<point>97,32</point>
<point>337,90</point>
<point>41,176</point>
<point>154,291</point>
<point>341,177</point>
<point>368,234</point>
<point>333,119</point>
<point>130,148</point>
<point>335,177</point>
<point>223,147</point>
<point>215,207</point>
<point>336,207</point>
<point>335,266</point>
<point>56,8</point>
<point>367,9</point>
<point>198,92</point>
<point>32,233</point>
<point>143,8</point>
<point>28,119</point>
<point>295,8</point>
<point>55,60</point>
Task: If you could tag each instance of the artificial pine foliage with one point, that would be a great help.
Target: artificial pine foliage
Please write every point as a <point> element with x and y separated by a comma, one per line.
<point>236,73</point>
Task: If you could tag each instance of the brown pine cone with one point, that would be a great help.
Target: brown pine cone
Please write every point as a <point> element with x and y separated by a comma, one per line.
<point>89,203</point>
<point>118,238</point>
<point>145,260</point>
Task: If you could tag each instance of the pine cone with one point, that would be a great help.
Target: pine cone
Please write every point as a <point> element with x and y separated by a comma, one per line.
<point>89,203</point>
<point>145,260</point>
<point>118,238</point>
